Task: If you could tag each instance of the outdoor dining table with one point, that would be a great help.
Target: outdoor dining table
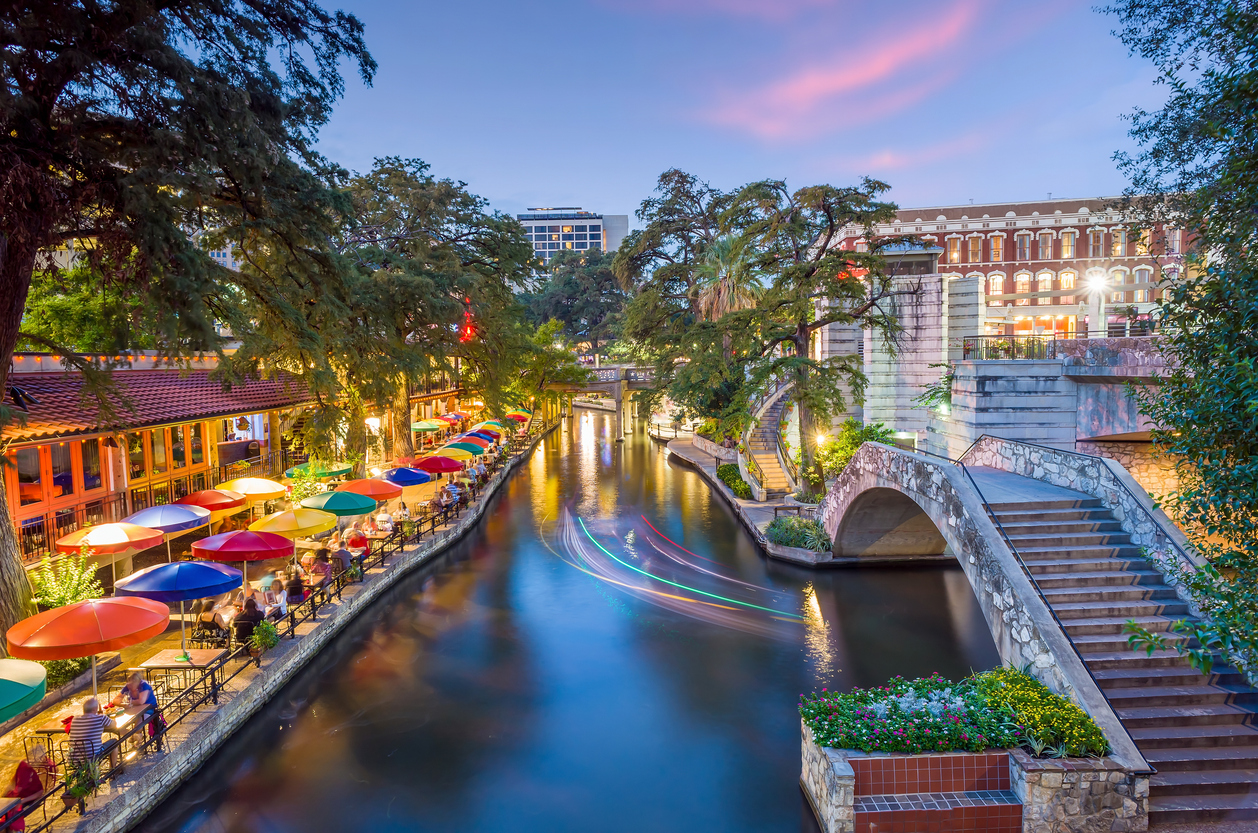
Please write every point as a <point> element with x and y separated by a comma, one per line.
<point>198,658</point>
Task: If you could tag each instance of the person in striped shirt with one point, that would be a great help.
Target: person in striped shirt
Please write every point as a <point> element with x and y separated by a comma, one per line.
<point>85,734</point>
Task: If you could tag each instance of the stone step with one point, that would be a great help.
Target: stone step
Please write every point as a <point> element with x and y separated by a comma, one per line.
<point>1180,716</point>
<point>1185,675</point>
<point>1030,515</point>
<point>1061,566</point>
<point>1202,758</point>
<point>1040,505</point>
<point>1191,694</point>
<point>1203,782</point>
<point>1179,737</point>
<point>1099,578</point>
<point>1114,654</point>
<point>1016,530</point>
<point>1042,540</point>
<point>1114,624</point>
<point>1106,593</point>
<point>1104,610</point>
<point>1120,553</point>
<point>1185,809</point>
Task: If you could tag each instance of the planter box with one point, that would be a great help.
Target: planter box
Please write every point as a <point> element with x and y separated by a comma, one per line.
<point>996,791</point>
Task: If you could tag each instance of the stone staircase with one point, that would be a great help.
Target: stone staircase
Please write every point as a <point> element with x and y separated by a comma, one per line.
<point>762,447</point>
<point>1198,732</point>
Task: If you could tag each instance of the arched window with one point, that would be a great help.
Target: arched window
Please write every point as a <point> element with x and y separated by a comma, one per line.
<point>1144,292</point>
<point>1067,281</point>
<point>1117,278</point>
<point>1023,288</point>
<point>995,286</point>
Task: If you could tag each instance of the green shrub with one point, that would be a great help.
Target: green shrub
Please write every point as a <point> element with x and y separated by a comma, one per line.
<point>804,533</point>
<point>998,709</point>
<point>836,452</point>
<point>62,671</point>
<point>729,475</point>
<point>70,580</point>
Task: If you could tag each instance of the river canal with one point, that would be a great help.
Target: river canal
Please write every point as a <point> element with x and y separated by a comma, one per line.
<point>535,679</point>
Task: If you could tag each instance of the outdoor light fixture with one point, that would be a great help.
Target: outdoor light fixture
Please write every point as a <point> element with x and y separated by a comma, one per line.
<point>1096,280</point>
<point>373,423</point>
<point>821,438</point>
<point>110,442</point>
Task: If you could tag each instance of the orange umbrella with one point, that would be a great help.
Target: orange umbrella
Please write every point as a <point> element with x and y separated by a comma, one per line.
<point>87,628</point>
<point>373,488</point>
<point>110,538</point>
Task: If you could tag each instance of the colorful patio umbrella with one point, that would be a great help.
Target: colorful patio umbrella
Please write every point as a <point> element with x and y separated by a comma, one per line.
<point>406,476</point>
<point>470,448</point>
<point>429,425</point>
<point>483,435</point>
<point>256,489</point>
<point>316,469</point>
<point>22,685</point>
<point>341,504</point>
<point>86,629</point>
<point>294,523</point>
<point>244,545</point>
<point>455,453</point>
<point>179,582</point>
<point>493,422</point>
<point>114,539</point>
<point>372,488</point>
<point>439,464</point>
<point>170,518</point>
<point>518,417</point>
<point>216,500</point>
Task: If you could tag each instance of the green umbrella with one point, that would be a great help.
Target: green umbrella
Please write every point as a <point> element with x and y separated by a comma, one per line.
<point>340,503</point>
<point>316,469</point>
<point>428,425</point>
<point>21,686</point>
<point>470,448</point>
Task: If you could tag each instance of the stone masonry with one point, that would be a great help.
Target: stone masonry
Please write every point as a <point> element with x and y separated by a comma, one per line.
<point>1078,795</point>
<point>1154,472</point>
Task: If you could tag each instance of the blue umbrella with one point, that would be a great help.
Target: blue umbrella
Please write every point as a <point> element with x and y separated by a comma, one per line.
<point>481,435</point>
<point>406,477</point>
<point>179,582</point>
<point>170,517</point>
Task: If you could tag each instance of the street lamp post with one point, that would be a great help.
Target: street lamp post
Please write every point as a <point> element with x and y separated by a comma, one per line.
<point>1096,303</point>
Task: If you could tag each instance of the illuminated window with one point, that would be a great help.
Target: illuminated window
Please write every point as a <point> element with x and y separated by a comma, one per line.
<point>178,453</point>
<point>29,488</point>
<point>135,456</point>
<point>1118,243</point>
<point>1142,244</point>
<point>1023,288</point>
<point>62,469</point>
<point>976,250</point>
<point>1117,279</point>
<point>159,451</point>
<point>998,248</point>
<point>996,286</point>
<point>1046,246</point>
<point>954,250</point>
<point>567,228</point>
<point>1024,247</point>
<point>1067,281</point>
<point>91,464</point>
<point>1044,282</point>
<point>1096,243</point>
<point>1067,244</point>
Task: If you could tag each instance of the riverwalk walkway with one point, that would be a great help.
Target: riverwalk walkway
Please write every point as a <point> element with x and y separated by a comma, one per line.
<point>244,686</point>
<point>753,515</point>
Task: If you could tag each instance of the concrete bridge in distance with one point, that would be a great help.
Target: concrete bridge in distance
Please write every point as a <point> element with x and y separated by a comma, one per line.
<point>615,382</point>
<point>1061,549</point>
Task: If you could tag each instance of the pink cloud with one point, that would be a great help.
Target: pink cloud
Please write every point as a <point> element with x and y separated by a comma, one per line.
<point>889,159</point>
<point>859,84</point>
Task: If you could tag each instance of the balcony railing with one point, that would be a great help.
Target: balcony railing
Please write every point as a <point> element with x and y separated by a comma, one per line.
<point>997,348</point>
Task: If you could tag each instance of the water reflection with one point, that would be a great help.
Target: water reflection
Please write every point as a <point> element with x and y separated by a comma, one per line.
<point>532,681</point>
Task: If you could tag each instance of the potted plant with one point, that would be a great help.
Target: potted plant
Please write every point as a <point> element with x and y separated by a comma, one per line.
<point>82,780</point>
<point>265,637</point>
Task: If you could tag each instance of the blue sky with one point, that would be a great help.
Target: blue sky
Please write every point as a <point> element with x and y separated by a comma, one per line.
<point>586,102</point>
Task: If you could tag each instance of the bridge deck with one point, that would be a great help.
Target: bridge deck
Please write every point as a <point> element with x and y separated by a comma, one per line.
<point>1003,487</point>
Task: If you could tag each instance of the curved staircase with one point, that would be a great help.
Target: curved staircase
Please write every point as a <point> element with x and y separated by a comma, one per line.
<point>762,447</point>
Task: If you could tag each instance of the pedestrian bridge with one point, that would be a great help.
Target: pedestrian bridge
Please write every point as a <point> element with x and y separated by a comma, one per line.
<point>615,382</point>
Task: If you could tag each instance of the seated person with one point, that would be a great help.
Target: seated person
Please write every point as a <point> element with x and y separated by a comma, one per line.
<point>356,540</point>
<point>137,696</point>
<point>481,471</point>
<point>402,514</point>
<point>85,734</point>
<point>384,522</point>
<point>246,621</point>
<point>33,776</point>
<point>259,598</point>
<point>276,598</point>
<point>294,589</point>
<point>321,572</point>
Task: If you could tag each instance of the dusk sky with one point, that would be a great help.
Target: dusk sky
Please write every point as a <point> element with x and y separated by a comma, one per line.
<point>585,102</point>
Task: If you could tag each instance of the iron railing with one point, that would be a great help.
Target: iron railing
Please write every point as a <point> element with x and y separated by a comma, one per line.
<point>997,348</point>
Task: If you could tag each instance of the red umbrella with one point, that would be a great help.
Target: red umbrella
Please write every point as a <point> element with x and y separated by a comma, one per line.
<point>438,465</point>
<point>111,538</point>
<point>372,488</point>
<point>473,440</point>
<point>243,545</point>
<point>87,628</point>
<point>216,500</point>
<point>518,417</point>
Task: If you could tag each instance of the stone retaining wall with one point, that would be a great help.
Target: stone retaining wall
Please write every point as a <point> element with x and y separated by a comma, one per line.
<point>1078,795</point>
<point>166,775</point>
<point>1154,472</point>
<point>725,455</point>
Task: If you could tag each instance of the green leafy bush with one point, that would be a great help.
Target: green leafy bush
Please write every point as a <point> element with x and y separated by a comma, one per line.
<point>836,452</point>
<point>804,533</point>
<point>70,580</point>
<point>729,475</point>
<point>265,636</point>
<point>62,671</point>
<point>998,709</point>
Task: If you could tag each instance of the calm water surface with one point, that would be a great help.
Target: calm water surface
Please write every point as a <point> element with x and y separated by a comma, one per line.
<point>535,679</point>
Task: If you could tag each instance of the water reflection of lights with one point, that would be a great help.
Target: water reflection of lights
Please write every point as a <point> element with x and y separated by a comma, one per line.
<point>817,636</point>
<point>579,548</point>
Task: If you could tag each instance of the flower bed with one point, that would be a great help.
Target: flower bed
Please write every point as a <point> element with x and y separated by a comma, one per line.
<point>728,473</point>
<point>998,709</point>
<point>804,533</point>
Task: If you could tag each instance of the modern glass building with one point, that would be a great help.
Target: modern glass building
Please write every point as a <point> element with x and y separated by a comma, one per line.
<point>554,229</point>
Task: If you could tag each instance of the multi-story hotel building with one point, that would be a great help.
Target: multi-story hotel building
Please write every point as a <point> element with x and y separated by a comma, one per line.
<point>1046,267</point>
<point>554,229</point>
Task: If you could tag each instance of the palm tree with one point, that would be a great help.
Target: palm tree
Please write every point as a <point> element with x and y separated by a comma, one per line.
<point>726,281</point>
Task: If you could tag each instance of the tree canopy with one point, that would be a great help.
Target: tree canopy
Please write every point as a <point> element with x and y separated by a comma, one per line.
<point>582,293</point>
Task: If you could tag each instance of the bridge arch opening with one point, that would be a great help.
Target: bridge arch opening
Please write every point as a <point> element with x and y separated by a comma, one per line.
<point>884,523</point>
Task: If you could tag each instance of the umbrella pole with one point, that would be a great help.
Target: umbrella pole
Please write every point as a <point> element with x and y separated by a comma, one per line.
<point>183,635</point>
<point>169,558</point>
<point>94,692</point>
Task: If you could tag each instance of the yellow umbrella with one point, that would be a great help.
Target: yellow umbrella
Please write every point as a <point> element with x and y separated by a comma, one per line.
<point>454,453</point>
<point>294,523</point>
<point>255,489</point>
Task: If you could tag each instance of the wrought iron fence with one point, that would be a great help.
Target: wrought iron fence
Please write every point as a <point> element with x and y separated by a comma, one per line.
<point>996,348</point>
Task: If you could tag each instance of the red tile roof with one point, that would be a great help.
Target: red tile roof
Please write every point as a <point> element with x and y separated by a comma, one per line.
<point>156,397</point>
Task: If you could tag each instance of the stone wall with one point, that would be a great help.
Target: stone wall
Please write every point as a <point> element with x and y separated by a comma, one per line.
<point>898,377</point>
<point>830,784</point>
<point>1154,472</point>
<point>1135,356</point>
<point>1078,795</point>
<point>123,812</point>
<point>725,455</point>
<point>1103,478</point>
